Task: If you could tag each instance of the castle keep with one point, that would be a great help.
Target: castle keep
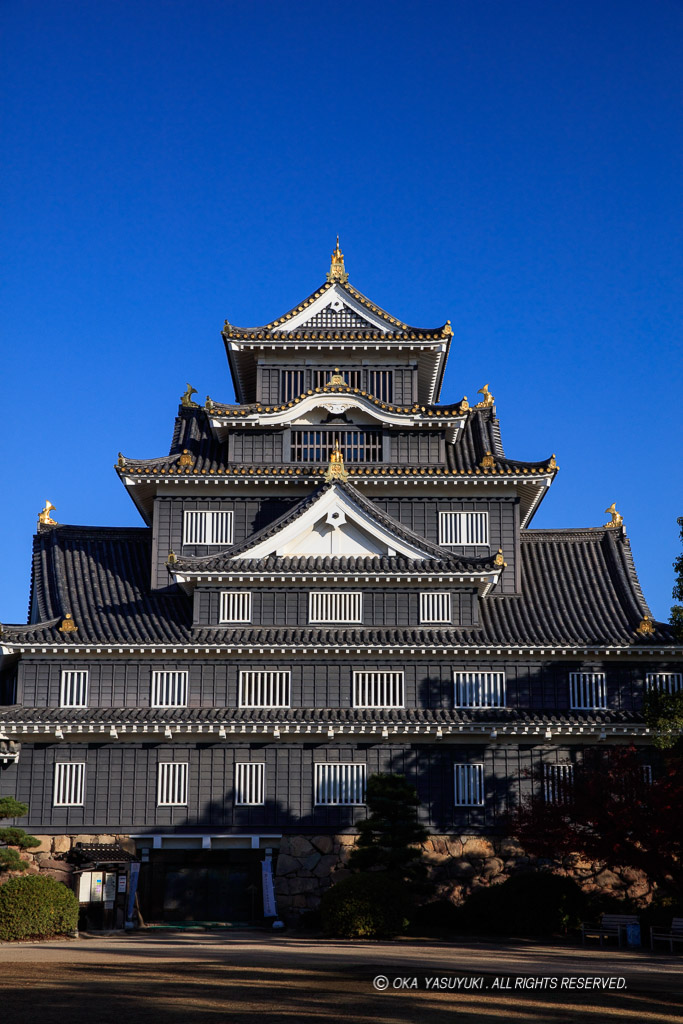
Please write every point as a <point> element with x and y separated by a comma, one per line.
<point>336,575</point>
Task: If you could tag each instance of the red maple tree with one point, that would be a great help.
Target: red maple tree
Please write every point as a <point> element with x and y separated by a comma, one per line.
<point>616,812</point>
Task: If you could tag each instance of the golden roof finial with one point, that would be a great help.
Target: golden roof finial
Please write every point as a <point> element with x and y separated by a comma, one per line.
<point>68,625</point>
<point>44,518</point>
<point>337,271</point>
<point>617,518</point>
<point>646,627</point>
<point>487,400</point>
<point>186,399</point>
<point>335,470</point>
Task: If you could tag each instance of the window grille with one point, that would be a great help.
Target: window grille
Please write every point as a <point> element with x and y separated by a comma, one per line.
<point>172,784</point>
<point>381,385</point>
<point>324,606</point>
<point>378,689</point>
<point>321,377</point>
<point>558,780</point>
<point>74,689</point>
<point>479,689</point>
<point>264,689</point>
<point>587,691</point>
<point>235,606</point>
<point>435,607</point>
<point>69,784</point>
<point>337,314</point>
<point>317,445</point>
<point>208,528</point>
<point>468,785</point>
<point>292,384</point>
<point>169,690</point>
<point>672,682</point>
<point>250,784</point>
<point>464,528</point>
<point>339,784</point>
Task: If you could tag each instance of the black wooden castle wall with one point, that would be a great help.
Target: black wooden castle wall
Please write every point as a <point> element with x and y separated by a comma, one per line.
<point>121,781</point>
<point>323,681</point>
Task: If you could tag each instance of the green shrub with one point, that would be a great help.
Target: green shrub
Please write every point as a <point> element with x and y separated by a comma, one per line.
<point>36,907</point>
<point>533,903</point>
<point>367,905</point>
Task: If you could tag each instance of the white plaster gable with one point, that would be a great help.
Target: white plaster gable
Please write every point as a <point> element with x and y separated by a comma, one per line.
<point>334,300</point>
<point>334,525</point>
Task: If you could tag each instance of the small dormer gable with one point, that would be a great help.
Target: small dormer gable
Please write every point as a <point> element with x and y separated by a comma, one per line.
<point>336,309</point>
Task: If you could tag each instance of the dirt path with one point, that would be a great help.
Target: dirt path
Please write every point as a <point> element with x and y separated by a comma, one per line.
<point>176,979</point>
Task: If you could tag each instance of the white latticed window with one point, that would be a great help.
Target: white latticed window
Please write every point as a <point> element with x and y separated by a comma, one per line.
<point>339,783</point>
<point>468,783</point>
<point>74,689</point>
<point>557,783</point>
<point>381,385</point>
<point>69,784</point>
<point>264,689</point>
<point>235,606</point>
<point>318,445</point>
<point>207,528</point>
<point>587,691</point>
<point>324,606</point>
<point>435,607</point>
<point>169,690</point>
<point>292,384</point>
<point>250,784</point>
<point>172,784</point>
<point>672,682</point>
<point>378,689</point>
<point>464,528</point>
<point>479,689</point>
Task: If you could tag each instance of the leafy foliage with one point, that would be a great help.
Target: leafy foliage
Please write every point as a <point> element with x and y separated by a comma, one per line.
<point>532,903</point>
<point>615,816</point>
<point>676,618</point>
<point>36,907</point>
<point>664,714</point>
<point>390,835</point>
<point>368,905</point>
<point>9,858</point>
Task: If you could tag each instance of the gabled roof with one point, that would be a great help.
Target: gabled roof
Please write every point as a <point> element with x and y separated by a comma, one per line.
<point>335,500</point>
<point>579,589</point>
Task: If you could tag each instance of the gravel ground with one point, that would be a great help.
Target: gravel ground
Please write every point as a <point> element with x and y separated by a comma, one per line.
<point>177,978</point>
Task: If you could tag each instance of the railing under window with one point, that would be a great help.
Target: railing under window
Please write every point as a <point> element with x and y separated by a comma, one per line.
<point>381,385</point>
<point>317,445</point>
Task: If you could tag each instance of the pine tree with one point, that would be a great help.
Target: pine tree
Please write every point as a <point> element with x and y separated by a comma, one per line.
<point>390,836</point>
<point>14,837</point>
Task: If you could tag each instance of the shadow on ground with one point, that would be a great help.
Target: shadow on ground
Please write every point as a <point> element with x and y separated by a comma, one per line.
<point>189,992</point>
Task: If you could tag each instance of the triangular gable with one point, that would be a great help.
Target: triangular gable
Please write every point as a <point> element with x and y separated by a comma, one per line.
<point>336,523</point>
<point>335,308</point>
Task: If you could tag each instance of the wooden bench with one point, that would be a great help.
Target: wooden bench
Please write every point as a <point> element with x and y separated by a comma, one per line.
<point>612,926</point>
<point>674,934</point>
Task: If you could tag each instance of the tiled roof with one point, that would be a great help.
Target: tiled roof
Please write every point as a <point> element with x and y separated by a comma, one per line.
<point>393,329</point>
<point>192,434</point>
<point>579,588</point>
<point>325,716</point>
<point>358,564</point>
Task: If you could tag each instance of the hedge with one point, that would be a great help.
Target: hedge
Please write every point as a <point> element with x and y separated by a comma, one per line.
<point>369,905</point>
<point>36,907</point>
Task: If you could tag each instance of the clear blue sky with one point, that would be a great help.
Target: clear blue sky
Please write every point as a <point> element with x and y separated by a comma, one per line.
<point>513,166</point>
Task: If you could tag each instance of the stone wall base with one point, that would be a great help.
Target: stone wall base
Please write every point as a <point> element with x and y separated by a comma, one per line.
<point>50,857</point>
<point>308,865</point>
